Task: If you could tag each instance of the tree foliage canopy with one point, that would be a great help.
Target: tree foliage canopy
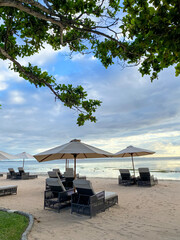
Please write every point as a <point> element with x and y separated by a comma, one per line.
<point>145,32</point>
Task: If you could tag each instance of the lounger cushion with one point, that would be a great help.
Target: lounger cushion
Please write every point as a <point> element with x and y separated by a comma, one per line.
<point>55,182</point>
<point>58,171</point>
<point>7,187</point>
<point>52,174</point>
<point>109,195</point>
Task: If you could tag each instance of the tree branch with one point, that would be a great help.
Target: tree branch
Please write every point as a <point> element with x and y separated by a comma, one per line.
<point>18,5</point>
<point>30,76</point>
<point>61,23</point>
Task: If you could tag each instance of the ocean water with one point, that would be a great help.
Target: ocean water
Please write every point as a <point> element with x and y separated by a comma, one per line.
<point>162,168</point>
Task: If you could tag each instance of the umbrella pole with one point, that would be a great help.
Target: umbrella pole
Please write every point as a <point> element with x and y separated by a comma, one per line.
<point>133,163</point>
<point>23,162</point>
<point>75,155</point>
<point>66,165</point>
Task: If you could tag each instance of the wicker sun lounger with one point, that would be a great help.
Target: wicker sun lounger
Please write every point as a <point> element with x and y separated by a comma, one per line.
<point>55,195</point>
<point>85,201</point>
<point>55,173</point>
<point>12,174</point>
<point>145,178</point>
<point>125,178</point>
<point>25,175</point>
<point>69,173</point>
<point>7,190</point>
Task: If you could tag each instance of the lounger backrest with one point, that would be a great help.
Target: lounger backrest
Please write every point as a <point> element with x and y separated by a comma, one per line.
<point>69,173</point>
<point>11,170</point>
<point>21,169</point>
<point>52,174</point>
<point>125,174</point>
<point>58,171</point>
<point>55,184</point>
<point>144,174</point>
<point>84,187</point>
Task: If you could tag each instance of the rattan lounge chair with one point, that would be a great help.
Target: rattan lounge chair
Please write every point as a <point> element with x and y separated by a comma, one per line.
<point>25,175</point>
<point>12,174</point>
<point>69,173</point>
<point>145,178</point>
<point>55,173</point>
<point>125,178</point>
<point>7,190</point>
<point>67,183</point>
<point>69,176</point>
<point>1,174</point>
<point>85,201</point>
<point>55,195</point>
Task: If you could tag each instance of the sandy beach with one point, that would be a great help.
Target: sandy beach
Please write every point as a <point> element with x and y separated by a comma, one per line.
<point>142,212</point>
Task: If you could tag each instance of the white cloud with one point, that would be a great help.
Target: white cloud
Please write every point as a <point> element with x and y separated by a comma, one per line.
<point>83,57</point>
<point>7,76</point>
<point>134,110</point>
<point>16,97</point>
<point>167,149</point>
<point>3,85</point>
<point>161,143</point>
<point>45,55</point>
<point>78,57</point>
<point>93,58</point>
<point>56,110</point>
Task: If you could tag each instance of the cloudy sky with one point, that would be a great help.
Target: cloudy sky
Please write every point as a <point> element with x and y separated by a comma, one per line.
<point>134,111</point>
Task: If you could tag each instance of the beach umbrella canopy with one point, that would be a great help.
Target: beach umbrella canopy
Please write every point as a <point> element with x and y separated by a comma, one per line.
<point>24,155</point>
<point>72,150</point>
<point>133,151</point>
<point>4,155</point>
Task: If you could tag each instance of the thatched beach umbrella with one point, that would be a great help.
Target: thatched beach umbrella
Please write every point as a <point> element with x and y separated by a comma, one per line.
<point>133,151</point>
<point>74,149</point>
<point>4,155</point>
<point>24,155</point>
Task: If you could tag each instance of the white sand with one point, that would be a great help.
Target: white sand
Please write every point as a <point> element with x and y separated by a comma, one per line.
<point>142,213</point>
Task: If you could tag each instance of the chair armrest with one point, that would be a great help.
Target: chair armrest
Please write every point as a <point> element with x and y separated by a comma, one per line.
<point>65,195</point>
<point>100,195</point>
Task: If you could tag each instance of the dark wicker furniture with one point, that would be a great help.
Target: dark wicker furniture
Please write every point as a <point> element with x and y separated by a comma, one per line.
<point>85,201</point>
<point>125,178</point>
<point>55,195</point>
<point>12,174</point>
<point>25,175</point>
<point>7,190</point>
<point>145,178</point>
